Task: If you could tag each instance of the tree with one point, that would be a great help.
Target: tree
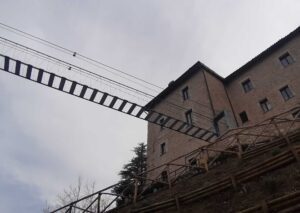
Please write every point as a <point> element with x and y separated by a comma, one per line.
<point>136,166</point>
<point>75,192</point>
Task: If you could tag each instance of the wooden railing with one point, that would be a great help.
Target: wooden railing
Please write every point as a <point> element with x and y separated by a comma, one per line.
<point>286,157</point>
<point>93,203</point>
<point>287,203</point>
<point>242,143</point>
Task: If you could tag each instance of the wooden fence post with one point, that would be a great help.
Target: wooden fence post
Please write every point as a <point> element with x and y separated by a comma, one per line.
<point>177,204</point>
<point>203,163</point>
<point>168,176</point>
<point>293,122</point>
<point>281,134</point>
<point>239,146</point>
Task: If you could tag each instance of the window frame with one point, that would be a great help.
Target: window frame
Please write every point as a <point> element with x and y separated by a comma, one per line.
<point>286,59</point>
<point>265,105</point>
<point>163,148</point>
<point>188,117</point>
<point>247,85</point>
<point>286,93</point>
<point>185,93</point>
<point>241,115</point>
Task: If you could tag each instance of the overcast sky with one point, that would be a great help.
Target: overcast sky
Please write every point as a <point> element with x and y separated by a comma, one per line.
<point>48,139</point>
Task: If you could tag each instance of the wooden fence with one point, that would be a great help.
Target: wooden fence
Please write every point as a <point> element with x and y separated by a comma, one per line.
<point>287,203</point>
<point>232,181</point>
<point>243,143</point>
<point>279,130</point>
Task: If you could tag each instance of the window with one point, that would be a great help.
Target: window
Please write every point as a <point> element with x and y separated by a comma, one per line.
<point>247,86</point>
<point>162,148</point>
<point>286,59</point>
<point>185,93</point>
<point>244,117</point>
<point>265,105</point>
<point>286,93</point>
<point>188,117</point>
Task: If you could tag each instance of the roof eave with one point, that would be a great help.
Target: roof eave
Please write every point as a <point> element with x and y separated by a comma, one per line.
<point>262,55</point>
<point>179,81</point>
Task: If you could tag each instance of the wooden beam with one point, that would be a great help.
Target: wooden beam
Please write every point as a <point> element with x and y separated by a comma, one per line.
<point>131,109</point>
<point>104,96</point>
<point>6,63</point>
<point>62,84</point>
<point>122,105</point>
<point>93,96</point>
<point>51,80</point>
<point>83,91</point>
<point>40,76</point>
<point>140,112</point>
<point>73,86</point>
<point>182,125</point>
<point>195,133</point>
<point>18,67</point>
<point>29,71</point>
<point>114,100</point>
<point>174,123</point>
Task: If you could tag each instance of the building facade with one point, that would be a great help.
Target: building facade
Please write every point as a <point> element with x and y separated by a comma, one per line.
<point>263,87</point>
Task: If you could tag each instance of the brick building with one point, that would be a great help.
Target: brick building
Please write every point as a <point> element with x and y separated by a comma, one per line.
<point>265,86</point>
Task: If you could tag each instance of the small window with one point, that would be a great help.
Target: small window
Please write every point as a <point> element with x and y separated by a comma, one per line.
<point>185,93</point>
<point>162,148</point>
<point>286,93</point>
<point>244,117</point>
<point>188,117</point>
<point>265,105</point>
<point>247,86</point>
<point>286,59</point>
